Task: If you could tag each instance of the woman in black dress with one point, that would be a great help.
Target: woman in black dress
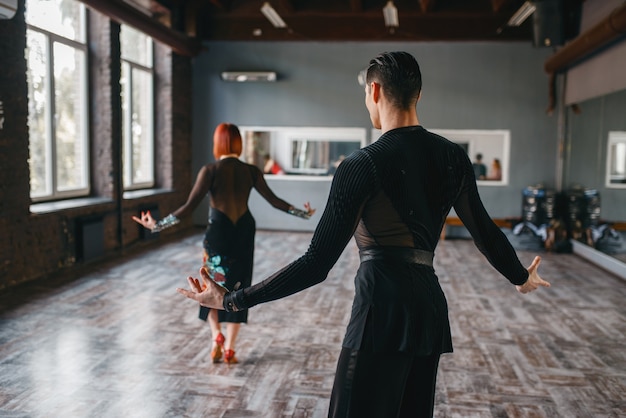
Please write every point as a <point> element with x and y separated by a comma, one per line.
<point>393,196</point>
<point>229,239</point>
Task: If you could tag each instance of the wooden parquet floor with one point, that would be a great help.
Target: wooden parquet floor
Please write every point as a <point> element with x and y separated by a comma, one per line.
<point>118,341</point>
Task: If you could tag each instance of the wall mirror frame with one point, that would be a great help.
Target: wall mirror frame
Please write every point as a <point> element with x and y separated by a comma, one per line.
<point>312,151</point>
<point>616,160</point>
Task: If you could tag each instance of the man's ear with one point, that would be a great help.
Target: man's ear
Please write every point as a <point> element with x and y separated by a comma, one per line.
<point>375,89</point>
<point>419,96</point>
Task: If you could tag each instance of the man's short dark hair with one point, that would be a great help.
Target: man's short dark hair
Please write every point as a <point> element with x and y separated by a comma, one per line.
<point>399,75</point>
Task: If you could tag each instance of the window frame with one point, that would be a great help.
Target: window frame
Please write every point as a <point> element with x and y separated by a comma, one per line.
<point>51,169</point>
<point>127,146</point>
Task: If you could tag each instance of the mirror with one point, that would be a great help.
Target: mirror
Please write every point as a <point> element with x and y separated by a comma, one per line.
<point>595,159</point>
<point>616,160</point>
<point>8,8</point>
<point>299,151</point>
<point>320,157</point>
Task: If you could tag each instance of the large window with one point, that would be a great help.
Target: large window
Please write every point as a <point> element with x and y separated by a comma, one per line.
<point>137,109</point>
<point>57,99</point>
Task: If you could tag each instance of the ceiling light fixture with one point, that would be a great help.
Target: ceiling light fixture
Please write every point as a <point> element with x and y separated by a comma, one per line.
<point>522,14</point>
<point>390,13</point>
<point>272,16</point>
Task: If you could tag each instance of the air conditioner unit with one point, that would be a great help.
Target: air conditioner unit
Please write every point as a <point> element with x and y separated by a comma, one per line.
<point>249,76</point>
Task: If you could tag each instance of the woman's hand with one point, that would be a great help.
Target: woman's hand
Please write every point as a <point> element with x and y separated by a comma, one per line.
<point>534,281</point>
<point>208,293</point>
<point>310,211</point>
<point>146,220</point>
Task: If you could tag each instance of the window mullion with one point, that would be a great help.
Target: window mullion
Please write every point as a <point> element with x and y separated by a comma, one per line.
<point>51,119</point>
<point>56,38</point>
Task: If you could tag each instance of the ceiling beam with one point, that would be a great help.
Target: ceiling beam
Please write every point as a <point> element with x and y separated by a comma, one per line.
<point>608,30</point>
<point>286,6</point>
<point>367,26</point>
<point>427,5</point>
<point>496,5</point>
<point>356,5</point>
<point>191,12</point>
<point>219,4</point>
<point>122,12</point>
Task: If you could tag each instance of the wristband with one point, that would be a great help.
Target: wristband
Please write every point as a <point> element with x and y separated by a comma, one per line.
<point>299,213</point>
<point>167,222</point>
<point>233,301</point>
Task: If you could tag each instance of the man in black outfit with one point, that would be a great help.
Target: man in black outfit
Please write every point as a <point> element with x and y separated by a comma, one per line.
<point>393,196</point>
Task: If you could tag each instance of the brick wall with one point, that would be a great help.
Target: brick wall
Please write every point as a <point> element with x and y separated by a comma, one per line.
<point>36,245</point>
<point>15,234</point>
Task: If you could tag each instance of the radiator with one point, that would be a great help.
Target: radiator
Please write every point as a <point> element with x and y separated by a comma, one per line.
<point>89,238</point>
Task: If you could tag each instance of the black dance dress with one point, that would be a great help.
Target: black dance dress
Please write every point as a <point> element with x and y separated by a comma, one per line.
<point>229,257</point>
<point>395,194</point>
<point>229,238</point>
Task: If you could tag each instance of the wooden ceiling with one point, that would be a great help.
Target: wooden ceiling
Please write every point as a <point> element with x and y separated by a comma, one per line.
<point>185,24</point>
<point>345,20</point>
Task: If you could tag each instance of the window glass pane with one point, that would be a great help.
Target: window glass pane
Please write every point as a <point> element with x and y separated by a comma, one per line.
<point>136,46</point>
<point>70,106</point>
<point>141,127</point>
<point>126,126</point>
<point>137,108</point>
<point>62,17</point>
<point>38,109</point>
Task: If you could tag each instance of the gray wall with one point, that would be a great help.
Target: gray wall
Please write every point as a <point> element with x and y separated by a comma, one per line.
<point>586,151</point>
<point>466,86</point>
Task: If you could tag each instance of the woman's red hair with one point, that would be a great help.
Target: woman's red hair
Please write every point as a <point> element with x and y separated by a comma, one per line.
<point>226,140</point>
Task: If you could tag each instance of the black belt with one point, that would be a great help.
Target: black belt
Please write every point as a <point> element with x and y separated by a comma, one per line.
<point>401,254</point>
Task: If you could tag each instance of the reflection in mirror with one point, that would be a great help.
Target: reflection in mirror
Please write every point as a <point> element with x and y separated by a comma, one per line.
<point>309,155</point>
<point>596,158</point>
<point>488,150</point>
<point>616,160</point>
<point>8,8</point>
<point>320,157</point>
<point>300,151</point>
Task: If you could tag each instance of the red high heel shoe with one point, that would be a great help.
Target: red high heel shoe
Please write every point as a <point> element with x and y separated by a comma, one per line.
<point>229,357</point>
<point>216,353</point>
